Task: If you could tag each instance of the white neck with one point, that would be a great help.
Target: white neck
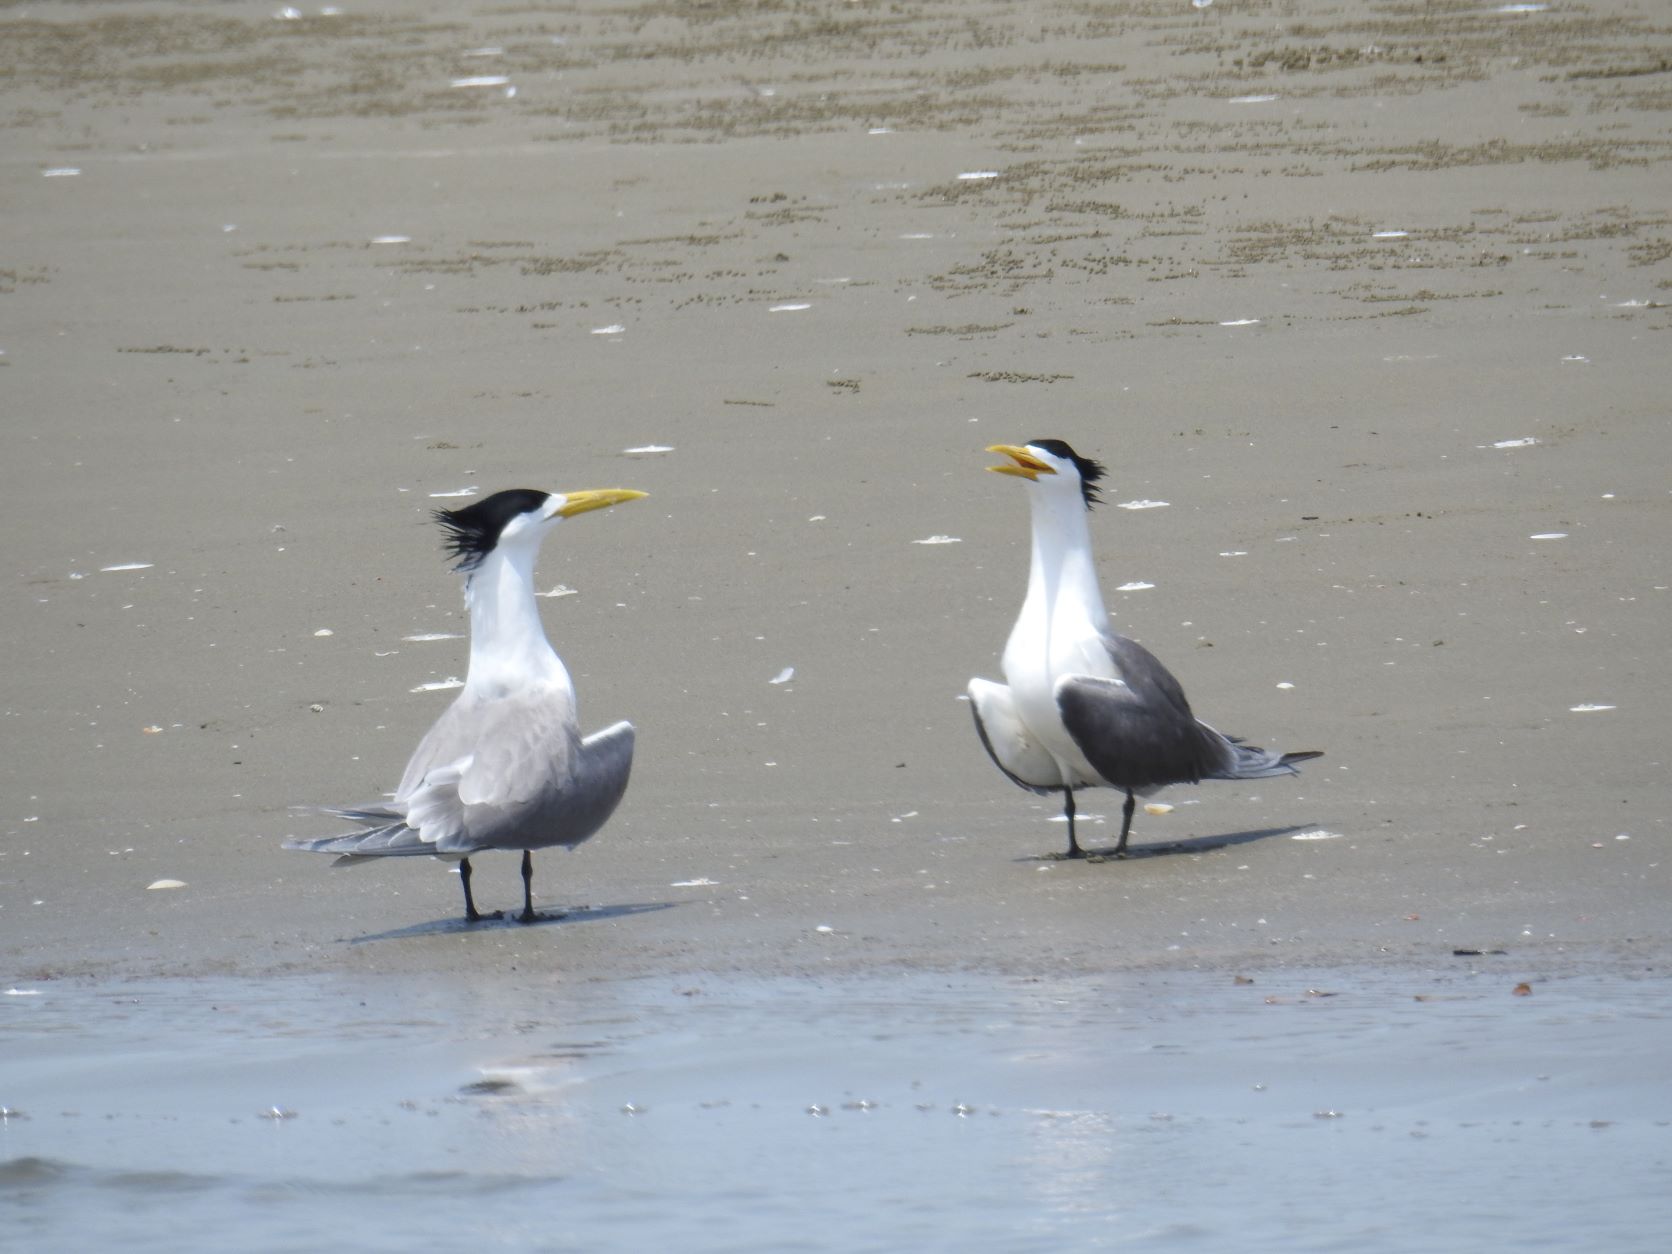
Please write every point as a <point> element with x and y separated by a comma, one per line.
<point>508,645</point>
<point>1062,576</point>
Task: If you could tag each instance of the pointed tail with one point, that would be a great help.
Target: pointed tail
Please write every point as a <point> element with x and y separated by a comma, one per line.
<point>1253,762</point>
<point>385,840</point>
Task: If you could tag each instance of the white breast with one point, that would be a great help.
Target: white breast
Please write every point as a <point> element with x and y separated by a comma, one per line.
<point>1041,650</point>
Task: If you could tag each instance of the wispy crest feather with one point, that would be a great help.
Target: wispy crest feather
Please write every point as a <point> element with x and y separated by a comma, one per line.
<point>1091,472</point>
<point>472,532</point>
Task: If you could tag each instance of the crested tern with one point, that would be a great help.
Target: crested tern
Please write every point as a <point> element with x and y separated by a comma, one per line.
<point>505,766</point>
<point>1082,706</point>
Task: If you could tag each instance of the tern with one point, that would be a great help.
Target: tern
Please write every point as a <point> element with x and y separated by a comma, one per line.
<point>505,766</point>
<point>1082,706</point>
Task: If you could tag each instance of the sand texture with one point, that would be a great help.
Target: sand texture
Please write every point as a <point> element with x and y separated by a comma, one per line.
<point>1372,296</point>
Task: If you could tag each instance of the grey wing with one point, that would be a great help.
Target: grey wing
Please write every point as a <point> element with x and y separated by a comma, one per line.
<point>597,785</point>
<point>549,789</point>
<point>451,737</point>
<point>485,766</point>
<point>509,773</point>
<point>1137,730</point>
<point>527,746</point>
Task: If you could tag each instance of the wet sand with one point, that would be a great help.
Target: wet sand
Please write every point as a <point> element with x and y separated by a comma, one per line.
<point>1374,298</point>
<point>1321,1110</point>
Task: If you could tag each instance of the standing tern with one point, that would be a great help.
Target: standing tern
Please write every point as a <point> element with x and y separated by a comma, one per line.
<point>1084,707</point>
<point>505,766</point>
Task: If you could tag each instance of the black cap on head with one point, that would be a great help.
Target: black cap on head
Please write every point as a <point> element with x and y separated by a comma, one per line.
<point>1090,471</point>
<point>473,531</point>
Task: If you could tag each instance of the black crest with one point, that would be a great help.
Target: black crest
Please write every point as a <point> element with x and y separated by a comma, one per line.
<point>1090,472</point>
<point>473,531</point>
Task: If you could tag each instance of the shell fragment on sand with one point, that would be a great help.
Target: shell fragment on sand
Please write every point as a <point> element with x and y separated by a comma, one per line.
<point>439,685</point>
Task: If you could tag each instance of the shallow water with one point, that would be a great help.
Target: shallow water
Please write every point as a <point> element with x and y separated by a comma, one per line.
<point>1305,1111</point>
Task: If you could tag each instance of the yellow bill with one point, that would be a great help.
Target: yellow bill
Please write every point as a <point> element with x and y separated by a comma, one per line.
<point>594,498</point>
<point>1027,465</point>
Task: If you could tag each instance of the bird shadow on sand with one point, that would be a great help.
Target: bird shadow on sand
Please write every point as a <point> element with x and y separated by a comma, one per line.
<point>1166,849</point>
<point>545,918</point>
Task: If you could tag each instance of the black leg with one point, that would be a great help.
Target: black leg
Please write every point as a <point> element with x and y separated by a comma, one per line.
<point>1074,850</point>
<point>471,913</point>
<point>528,915</point>
<point>1125,823</point>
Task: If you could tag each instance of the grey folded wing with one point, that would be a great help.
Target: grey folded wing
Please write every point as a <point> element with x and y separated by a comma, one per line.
<point>514,773</point>
<point>506,773</point>
<point>1137,731</point>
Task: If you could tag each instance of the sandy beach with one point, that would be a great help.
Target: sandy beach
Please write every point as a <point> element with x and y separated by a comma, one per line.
<point>303,285</point>
<point>1364,306</point>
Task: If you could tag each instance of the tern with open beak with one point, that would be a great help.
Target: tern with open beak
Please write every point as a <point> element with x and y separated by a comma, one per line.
<point>1082,706</point>
<point>505,766</point>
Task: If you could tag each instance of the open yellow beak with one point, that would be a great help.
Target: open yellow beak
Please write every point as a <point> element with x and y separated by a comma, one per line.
<point>594,498</point>
<point>1027,465</point>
